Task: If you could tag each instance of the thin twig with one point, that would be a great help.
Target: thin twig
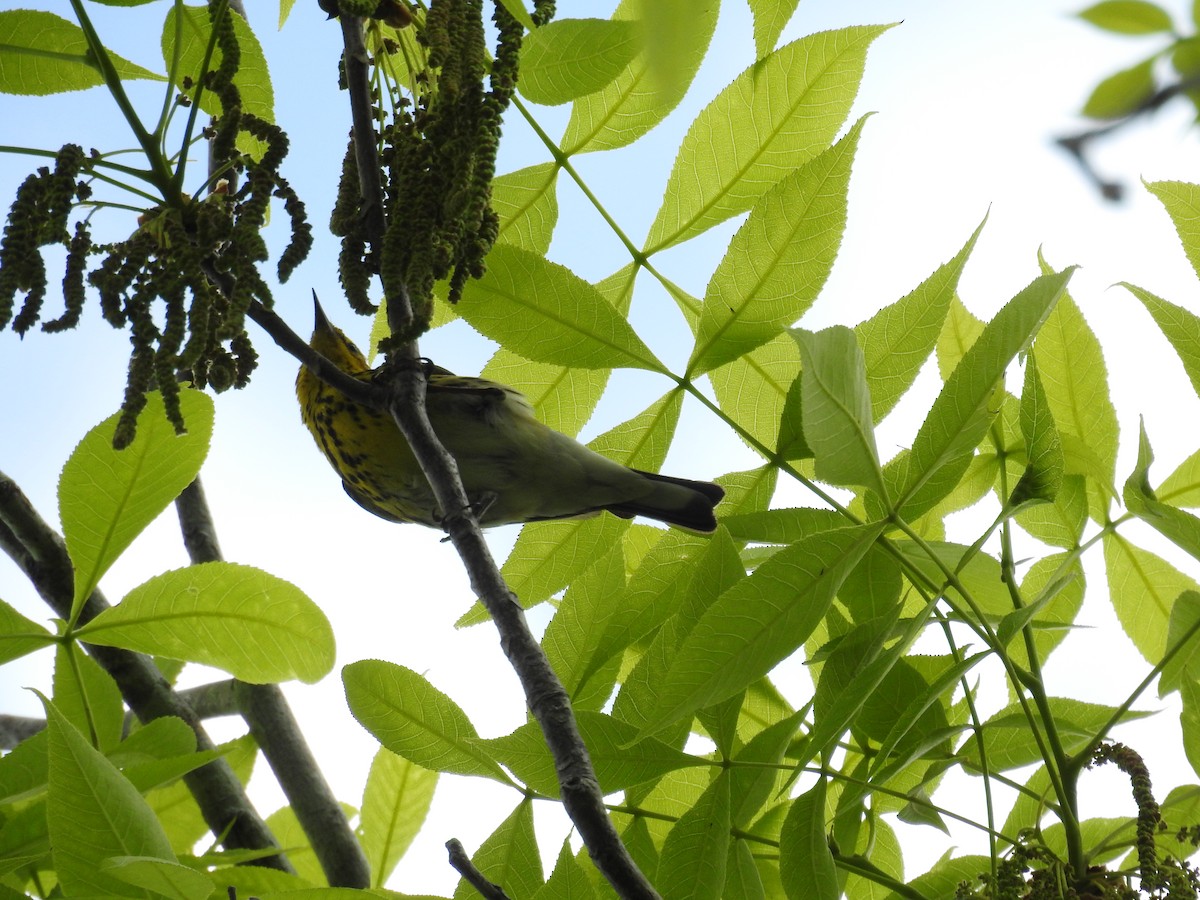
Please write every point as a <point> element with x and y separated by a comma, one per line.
<point>1077,144</point>
<point>42,556</point>
<point>463,865</point>
<point>277,734</point>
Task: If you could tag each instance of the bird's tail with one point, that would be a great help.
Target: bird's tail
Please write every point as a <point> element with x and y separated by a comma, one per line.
<point>676,501</point>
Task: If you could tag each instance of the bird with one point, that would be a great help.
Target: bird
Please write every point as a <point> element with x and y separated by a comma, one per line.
<point>514,468</point>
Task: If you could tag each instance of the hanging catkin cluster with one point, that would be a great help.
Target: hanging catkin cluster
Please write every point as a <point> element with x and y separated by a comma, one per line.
<point>184,279</point>
<point>38,218</point>
<point>439,156</point>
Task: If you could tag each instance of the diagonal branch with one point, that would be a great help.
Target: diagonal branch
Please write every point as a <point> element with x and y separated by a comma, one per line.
<point>544,693</point>
<point>278,735</point>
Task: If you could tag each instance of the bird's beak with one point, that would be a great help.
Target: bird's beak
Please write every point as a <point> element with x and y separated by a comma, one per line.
<point>320,320</point>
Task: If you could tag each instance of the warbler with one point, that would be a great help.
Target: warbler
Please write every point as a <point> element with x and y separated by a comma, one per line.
<point>514,468</point>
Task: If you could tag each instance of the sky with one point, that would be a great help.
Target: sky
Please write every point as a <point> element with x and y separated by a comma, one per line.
<point>967,99</point>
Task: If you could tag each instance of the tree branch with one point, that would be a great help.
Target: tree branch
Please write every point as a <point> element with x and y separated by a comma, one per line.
<point>41,554</point>
<point>208,701</point>
<point>1077,144</point>
<point>277,734</point>
<point>544,693</point>
<point>462,864</point>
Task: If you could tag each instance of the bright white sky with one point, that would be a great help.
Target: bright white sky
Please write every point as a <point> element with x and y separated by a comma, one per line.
<point>968,97</point>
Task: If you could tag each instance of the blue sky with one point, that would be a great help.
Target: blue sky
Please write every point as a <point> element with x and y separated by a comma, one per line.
<point>967,98</point>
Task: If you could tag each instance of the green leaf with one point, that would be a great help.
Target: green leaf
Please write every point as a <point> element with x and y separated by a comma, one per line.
<point>782,526</point>
<point>1143,588</point>
<point>162,877</point>
<point>778,260</point>
<point>1182,487</point>
<point>146,776</point>
<point>1122,92</point>
<point>290,835</point>
<point>415,720</point>
<point>88,697</point>
<point>570,58</point>
<point>904,708</point>
<point>792,445</point>
<point>837,408</point>
<point>1128,17</point>
<point>770,18</point>
<point>1181,637</point>
<point>1054,605</point>
<point>395,801</point>
<point>1071,368</point>
<point>774,117</point>
<point>568,881</point>
<point>741,874</point>
<point>980,574</point>
<point>19,635</point>
<point>621,759</point>
<point>943,879</point>
<point>1180,326</point>
<point>527,205</point>
<point>806,866</point>
<point>176,809</point>
<point>574,635</point>
<point>1176,525</point>
<point>713,569</point>
<point>656,590</point>
<point>106,496</point>
<point>1189,722</point>
<point>634,102</point>
<point>1182,203</point>
<point>1043,473</point>
<point>668,28</point>
<point>94,814</point>
<point>753,785</point>
<point>719,722</point>
<point>509,857</point>
<point>255,626</point>
<point>696,851</point>
<point>1009,740</point>
<point>23,774</point>
<point>194,29</point>
<point>959,333</point>
<point>545,312</point>
<point>765,374</point>
<point>1031,804</point>
<point>920,811</point>
<point>1185,60</point>
<point>963,410</point>
<point>563,398</point>
<point>757,622</point>
<point>41,54</point>
<point>922,725</point>
<point>897,340</point>
<point>1061,522</point>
